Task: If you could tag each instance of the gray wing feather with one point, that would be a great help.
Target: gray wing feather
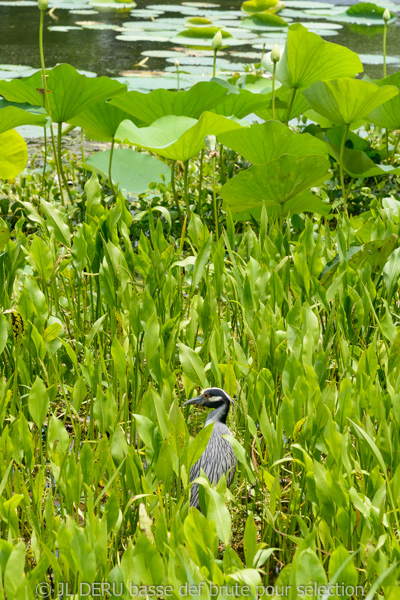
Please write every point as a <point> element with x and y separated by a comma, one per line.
<point>217,459</point>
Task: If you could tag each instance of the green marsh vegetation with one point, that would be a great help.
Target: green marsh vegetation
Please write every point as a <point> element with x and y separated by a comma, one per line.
<point>261,258</point>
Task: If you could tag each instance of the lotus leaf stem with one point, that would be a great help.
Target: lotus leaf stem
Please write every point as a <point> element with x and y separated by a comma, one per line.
<point>215,201</point>
<point>110,165</point>
<point>290,105</point>
<point>273,91</point>
<point>341,167</point>
<point>174,191</point>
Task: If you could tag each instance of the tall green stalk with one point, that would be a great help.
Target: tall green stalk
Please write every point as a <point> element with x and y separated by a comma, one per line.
<point>178,208</point>
<point>215,201</point>
<point>109,167</point>
<point>341,167</point>
<point>199,208</point>
<point>46,97</point>
<point>273,91</point>
<point>290,105</point>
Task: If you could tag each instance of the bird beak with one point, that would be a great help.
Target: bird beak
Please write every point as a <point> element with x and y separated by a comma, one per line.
<point>198,400</point>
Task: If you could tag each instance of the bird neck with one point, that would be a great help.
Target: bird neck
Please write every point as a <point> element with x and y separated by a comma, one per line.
<point>218,415</point>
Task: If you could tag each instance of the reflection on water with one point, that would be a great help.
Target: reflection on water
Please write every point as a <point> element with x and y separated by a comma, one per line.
<point>100,50</point>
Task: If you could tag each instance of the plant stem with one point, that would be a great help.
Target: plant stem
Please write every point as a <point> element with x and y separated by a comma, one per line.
<point>185,188</point>
<point>215,62</point>
<point>64,179</point>
<point>174,191</point>
<point>201,182</point>
<point>82,148</point>
<point>273,91</point>
<point>109,167</point>
<point>177,77</point>
<point>215,202</point>
<point>384,48</point>
<point>289,110</point>
<point>395,149</point>
<point>341,167</point>
<point>47,104</point>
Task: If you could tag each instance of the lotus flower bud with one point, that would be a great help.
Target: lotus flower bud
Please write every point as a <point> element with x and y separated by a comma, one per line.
<point>176,63</point>
<point>266,62</point>
<point>386,15</point>
<point>43,4</point>
<point>275,53</point>
<point>217,41</point>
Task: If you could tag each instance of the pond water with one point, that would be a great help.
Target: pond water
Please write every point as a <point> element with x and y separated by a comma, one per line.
<point>108,41</point>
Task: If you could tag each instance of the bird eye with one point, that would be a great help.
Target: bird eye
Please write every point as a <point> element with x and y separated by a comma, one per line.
<point>207,395</point>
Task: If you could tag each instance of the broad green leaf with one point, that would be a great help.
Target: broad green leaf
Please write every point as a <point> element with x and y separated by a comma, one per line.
<point>13,154</point>
<point>240,104</point>
<point>178,434</point>
<point>347,100</point>
<point>203,33</point>
<point>282,185</point>
<point>264,142</point>
<point>308,58</point>
<point>161,103</point>
<point>198,445</point>
<point>192,365</point>
<point>55,222</point>
<point>131,171</point>
<point>4,235</point>
<point>14,572</point>
<point>201,261</point>
<point>100,121</point>
<point>375,253</point>
<point>3,333</point>
<point>282,100</point>
<point>219,513</point>
<point>38,403</point>
<point>388,114</point>
<point>178,138</point>
<point>69,92</point>
<point>11,117</point>
<point>363,13</point>
<point>250,540</point>
<point>147,565</point>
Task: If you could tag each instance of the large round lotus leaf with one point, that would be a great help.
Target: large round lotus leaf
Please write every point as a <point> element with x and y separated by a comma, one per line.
<point>347,100</point>
<point>132,171</point>
<point>282,184</point>
<point>69,92</point>
<point>264,142</point>
<point>178,138</point>
<point>388,114</point>
<point>308,58</point>
<point>282,99</point>
<point>239,104</point>
<point>255,6</point>
<point>11,117</point>
<point>100,121</point>
<point>13,154</point>
<point>263,20</point>
<point>160,103</point>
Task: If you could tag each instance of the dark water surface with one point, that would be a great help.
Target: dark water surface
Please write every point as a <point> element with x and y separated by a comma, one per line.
<point>99,50</point>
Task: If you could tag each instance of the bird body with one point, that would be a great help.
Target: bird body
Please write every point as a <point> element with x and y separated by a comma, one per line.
<point>218,458</point>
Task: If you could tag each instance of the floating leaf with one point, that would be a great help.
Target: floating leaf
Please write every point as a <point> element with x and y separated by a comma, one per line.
<point>263,20</point>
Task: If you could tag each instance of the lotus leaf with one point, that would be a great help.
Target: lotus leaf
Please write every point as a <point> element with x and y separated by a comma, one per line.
<point>13,154</point>
<point>282,185</point>
<point>255,6</point>
<point>100,121</point>
<point>388,114</point>
<point>11,117</point>
<point>347,100</point>
<point>132,171</point>
<point>160,103</point>
<point>263,20</point>
<point>308,58</point>
<point>69,92</point>
<point>262,143</point>
<point>177,138</point>
<point>282,99</point>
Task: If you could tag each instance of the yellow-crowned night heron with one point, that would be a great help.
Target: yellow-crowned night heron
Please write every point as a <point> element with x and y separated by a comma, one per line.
<point>218,458</point>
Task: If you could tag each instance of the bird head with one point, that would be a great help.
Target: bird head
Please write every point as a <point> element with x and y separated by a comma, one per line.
<point>211,398</point>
